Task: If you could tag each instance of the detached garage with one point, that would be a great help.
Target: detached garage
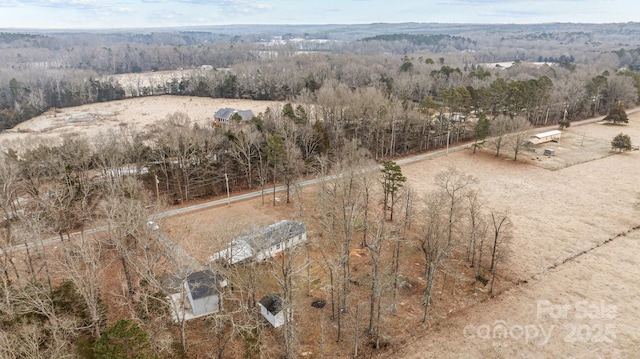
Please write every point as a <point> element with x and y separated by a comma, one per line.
<point>548,136</point>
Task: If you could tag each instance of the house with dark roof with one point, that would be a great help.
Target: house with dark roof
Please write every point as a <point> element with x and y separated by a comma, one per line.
<point>224,115</point>
<point>263,243</point>
<point>272,309</point>
<point>201,294</point>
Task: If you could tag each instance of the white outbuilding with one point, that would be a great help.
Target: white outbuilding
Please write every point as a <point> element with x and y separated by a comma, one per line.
<point>200,295</point>
<point>272,310</point>
<point>548,136</point>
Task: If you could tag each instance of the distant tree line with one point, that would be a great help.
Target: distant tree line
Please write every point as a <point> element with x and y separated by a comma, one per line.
<point>429,42</point>
<point>43,71</point>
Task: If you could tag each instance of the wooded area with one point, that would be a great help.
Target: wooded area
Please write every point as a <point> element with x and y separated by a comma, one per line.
<point>587,70</point>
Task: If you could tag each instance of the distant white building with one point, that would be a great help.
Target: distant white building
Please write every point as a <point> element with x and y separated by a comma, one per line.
<point>264,243</point>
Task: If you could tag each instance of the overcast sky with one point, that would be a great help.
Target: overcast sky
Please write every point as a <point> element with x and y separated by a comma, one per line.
<point>163,13</point>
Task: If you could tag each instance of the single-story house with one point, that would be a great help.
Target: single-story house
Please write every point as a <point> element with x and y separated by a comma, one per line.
<point>201,294</point>
<point>224,115</point>
<point>271,308</point>
<point>546,137</point>
<point>263,243</point>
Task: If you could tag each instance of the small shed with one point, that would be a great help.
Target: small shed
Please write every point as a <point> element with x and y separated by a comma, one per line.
<point>201,295</point>
<point>271,308</point>
<point>203,292</point>
<point>548,136</point>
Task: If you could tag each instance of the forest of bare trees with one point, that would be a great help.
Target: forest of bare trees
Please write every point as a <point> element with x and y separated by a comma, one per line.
<point>55,299</point>
<point>41,71</point>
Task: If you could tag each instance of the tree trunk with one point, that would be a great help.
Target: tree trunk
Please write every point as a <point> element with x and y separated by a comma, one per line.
<point>396,265</point>
<point>308,271</point>
<point>378,320</point>
<point>274,186</point>
<point>372,303</point>
<point>493,279</point>
<point>127,275</point>
<point>427,291</point>
<point>288,187</point>
<point>356,334</point>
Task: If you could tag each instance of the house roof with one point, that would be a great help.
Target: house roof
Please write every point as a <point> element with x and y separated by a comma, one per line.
<point>246,115</point>
<point>202,284</point>
<point>272,303</point>
<point>236,252</point>
<point>272,234</point>
<point>226,113</point>
<point>547,134</point>
<point>258,240</point>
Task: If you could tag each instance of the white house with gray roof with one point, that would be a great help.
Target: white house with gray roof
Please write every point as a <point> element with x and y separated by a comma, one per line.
<point>263,243</point>
<point>224,115</point>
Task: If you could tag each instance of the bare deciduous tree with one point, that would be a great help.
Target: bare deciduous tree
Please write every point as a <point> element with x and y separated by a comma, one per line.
<point>82,265</point>
<point>499,128</point>
<point>477,231</point>
<point>378,238</point>
<point>124,212</point>
<point>520,129</point>
<point>246,144</point>
<point>342,205</point>
<point>499,245</point>
<point>284,270</point>
<point>433,242</point>
<point>406,223</point>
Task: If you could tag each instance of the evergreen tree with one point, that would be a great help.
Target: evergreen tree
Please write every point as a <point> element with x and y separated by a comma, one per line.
<point>617,114</point>
<point>480,131</point>
<point>392,182</point>
<point>125,339</point>
<point>621,142</point>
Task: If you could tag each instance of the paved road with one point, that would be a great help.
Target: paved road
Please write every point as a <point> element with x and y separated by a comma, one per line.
<point>222,202</point>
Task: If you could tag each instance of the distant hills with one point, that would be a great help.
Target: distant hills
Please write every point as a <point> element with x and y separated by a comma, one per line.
<point>354,31</point>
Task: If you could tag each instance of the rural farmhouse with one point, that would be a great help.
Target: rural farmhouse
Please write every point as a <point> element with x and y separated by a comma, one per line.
<point>263,243</point>
<point>225,115</point>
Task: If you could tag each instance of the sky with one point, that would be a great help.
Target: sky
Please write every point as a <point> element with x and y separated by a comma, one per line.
<point>106,14</point>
